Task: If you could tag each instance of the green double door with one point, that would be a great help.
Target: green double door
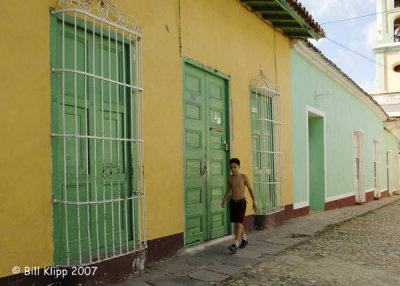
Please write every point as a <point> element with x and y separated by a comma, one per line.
<point>206,154</point>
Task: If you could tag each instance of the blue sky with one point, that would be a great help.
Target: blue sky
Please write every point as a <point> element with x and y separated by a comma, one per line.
<point>359,35</point>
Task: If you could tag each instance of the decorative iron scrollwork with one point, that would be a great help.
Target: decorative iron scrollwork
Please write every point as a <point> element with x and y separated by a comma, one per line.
<point>262,81</point>
<point>106,10</point>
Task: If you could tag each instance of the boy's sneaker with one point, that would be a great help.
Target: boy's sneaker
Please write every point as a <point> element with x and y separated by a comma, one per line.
<point>244,243</point>
<point>233,248</point>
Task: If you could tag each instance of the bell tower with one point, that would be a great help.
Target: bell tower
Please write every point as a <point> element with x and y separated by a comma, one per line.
<point>387,51</point>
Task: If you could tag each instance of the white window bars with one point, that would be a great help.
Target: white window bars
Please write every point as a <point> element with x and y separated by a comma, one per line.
<point>267,145</point>
<point>377,168</point>
<point>389,178</point>
<point>359,190</point>
<point>99,203</point>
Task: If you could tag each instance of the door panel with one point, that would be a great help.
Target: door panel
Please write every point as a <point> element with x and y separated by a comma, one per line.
<point>216,155</point>
<point>194,157</point>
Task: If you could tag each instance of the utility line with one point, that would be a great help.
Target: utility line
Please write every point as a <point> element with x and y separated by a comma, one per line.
<point>348,19</point>
<point>355,52</point>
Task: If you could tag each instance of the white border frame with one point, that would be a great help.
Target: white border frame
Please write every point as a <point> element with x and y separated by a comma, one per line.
<point>389,171</point>
<point>378,169</point>
<point>362,155</point>
<point>319,113</point>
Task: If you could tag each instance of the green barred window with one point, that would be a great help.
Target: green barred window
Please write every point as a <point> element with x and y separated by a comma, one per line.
<point>97,134</point>
<point>266,134</point>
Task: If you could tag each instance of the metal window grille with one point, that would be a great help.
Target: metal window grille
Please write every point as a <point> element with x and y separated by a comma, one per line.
<point>359,167</point>
<point>99,203</point>
<point>267,144</point>
<point>397,173</point>
<point>396,30</point>
<point>389,172</point>
<point>377,170</point>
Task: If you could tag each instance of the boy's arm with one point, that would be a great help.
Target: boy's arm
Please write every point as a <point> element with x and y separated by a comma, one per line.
<point>247,183</point>
<point>228,190</point>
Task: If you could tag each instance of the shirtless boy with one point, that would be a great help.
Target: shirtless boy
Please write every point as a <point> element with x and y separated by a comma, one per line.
<point>237,206</point>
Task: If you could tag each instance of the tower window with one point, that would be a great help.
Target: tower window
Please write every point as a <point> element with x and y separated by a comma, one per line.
<point>397,68</point>
<point>396,30</point>
<point>396,3</point>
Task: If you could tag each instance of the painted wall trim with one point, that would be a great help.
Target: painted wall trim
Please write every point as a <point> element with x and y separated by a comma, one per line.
<point>338,197</point>
<point>315,111</point>
<point>300,205</point>
<point>318,61</point>
<point>205,67</point>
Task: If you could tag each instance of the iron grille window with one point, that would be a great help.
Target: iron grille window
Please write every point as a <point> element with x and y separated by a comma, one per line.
<point>97,133</point>
<point>397,173</point>
<point>376,169</point>
<point>358,142</point>
<point>266,132</point>
<point>389,171</point>
<point>396,30</point>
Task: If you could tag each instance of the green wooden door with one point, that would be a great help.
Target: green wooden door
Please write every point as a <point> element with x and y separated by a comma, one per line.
<point>95,170</point>
<point>205,155</point>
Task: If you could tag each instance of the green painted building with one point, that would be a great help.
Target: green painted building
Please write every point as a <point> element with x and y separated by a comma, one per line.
<point>343,151</point>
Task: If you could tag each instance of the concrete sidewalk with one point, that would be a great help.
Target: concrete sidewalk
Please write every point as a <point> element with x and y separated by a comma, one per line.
<point>205,265</point>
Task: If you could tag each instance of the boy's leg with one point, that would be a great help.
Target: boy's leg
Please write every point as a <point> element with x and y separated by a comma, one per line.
<point>240,230</point>
<point>237,231</point>
<point>243,238</point>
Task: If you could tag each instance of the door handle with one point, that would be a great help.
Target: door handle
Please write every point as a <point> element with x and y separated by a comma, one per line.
<point>204,169</point>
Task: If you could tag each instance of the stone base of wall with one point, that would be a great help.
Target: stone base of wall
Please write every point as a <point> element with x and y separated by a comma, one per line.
<point>289,211</point>
<point>340,203</point>
<point>262,222</point>
<point>248,223</point>
<point>164,247</point>
<point>369,196</point>
<point>384,194</point>
<point>108,272</point>
<point>301,211</point>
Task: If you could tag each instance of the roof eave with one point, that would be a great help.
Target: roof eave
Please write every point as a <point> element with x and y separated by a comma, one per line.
<point>310,30</point>
<point>303,25</point>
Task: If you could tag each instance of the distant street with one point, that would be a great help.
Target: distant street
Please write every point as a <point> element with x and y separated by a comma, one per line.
<point>362,251</point>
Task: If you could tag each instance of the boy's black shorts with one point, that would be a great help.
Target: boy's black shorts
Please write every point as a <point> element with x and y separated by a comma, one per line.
<point>237,209</point>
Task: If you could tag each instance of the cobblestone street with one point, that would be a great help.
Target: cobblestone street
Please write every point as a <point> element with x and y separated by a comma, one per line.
<point>361,251</point>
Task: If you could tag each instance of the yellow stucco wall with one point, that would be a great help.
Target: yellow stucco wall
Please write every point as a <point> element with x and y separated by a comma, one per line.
<point>25,168</point>
<point>219,33</point>
<point>237,43</point>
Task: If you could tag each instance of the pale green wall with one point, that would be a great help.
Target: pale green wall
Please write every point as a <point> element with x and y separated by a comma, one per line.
<point>344,114</point>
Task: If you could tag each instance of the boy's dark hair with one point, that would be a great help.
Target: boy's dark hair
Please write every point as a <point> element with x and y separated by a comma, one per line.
<point>234,160</point>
